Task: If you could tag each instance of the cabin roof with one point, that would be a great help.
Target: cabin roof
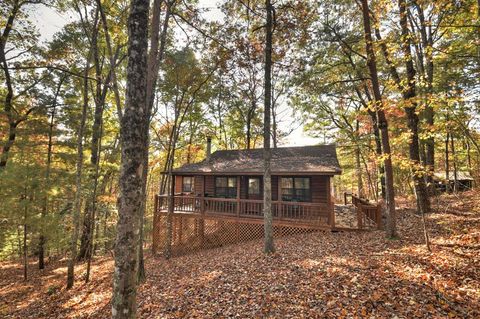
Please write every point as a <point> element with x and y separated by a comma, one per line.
<point>461,176</point>
<point>318,159</point>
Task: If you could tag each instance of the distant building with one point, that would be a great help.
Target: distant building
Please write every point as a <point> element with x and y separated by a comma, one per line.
<point>464,180</point>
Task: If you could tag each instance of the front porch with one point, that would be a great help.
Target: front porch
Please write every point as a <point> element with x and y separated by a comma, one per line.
<point>200,222</point>
<point>313,215</point>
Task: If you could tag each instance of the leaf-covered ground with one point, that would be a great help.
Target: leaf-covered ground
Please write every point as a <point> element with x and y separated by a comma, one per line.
<point>336,275</point>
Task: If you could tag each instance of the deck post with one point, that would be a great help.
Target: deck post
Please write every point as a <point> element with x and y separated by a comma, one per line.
<point>279,197</point>
<point>238,195</point>
<point>378,213</point>
<point>359,216</point>
<point>331,204</point>
<point>156,221</point>
<point>202,212</point>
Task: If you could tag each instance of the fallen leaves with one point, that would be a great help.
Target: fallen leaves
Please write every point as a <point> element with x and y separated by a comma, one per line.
<point>338,275</point>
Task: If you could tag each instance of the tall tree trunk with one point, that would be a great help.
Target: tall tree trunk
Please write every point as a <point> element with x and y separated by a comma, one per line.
<point>25,251</point>
<point>447,164</point>
<point>171,190</point>
<point>358,171</point>
<point>42,238</point>
<point>358,168</point>
<point>77,202</point>
<point>454,159</point>
<point>427,43</point>
<point>267,152</point>
<point>133,137</point>
<point>91,241</point>
<point>93,172</point>
<point>378,151</point>
<point>155,57</point>
<point>409,95</point>
<point>382,122</point>
<point>8,102</point>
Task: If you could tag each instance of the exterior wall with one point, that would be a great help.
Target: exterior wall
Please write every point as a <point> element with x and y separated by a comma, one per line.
<point>320,187</point>
<point>209,185</point>
<point>198,185</point>
<point>178,184</point>
<point>275,187</point>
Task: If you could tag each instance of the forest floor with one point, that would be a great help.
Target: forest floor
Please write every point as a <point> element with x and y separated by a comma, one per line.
<point>332,275</point>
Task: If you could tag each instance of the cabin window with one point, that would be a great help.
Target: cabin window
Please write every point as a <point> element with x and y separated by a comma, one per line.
<point>187,184</point>
<point>253,186</point>
<point>296,189</point>
<point>226,187</point>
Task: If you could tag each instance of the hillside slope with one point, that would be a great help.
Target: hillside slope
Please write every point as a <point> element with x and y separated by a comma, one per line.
<point>356,274</point>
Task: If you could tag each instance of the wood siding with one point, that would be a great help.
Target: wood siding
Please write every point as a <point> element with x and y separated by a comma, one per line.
<point>198,185</point>
<point>209,185</point>
<point>320,187</point>
<point>178,184</point>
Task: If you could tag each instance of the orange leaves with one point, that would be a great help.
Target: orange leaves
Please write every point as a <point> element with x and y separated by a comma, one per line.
<point>330,275</point>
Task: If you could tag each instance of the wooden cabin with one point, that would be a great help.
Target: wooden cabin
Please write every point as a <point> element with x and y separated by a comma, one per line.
<point>463,178</point>
<point>229,184</point>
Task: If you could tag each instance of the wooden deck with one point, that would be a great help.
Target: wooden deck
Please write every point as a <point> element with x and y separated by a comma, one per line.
<point>299,214</point>
<point>204,222</point>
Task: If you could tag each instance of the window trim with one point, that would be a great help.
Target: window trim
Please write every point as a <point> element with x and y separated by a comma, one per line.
<point>259,185</point>
<point>308,199</point>
<point>191,185</point>
<point>227,187</point>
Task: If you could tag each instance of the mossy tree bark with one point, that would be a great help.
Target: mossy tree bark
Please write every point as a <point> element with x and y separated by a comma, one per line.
<point>133,138</point>
<point>267,153</point>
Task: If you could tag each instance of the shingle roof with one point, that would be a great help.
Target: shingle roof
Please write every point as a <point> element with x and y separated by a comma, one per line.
<point>319,159</point>
<point>461,175</point>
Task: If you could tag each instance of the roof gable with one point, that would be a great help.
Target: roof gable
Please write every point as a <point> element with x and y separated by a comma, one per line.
<point>318,159</point>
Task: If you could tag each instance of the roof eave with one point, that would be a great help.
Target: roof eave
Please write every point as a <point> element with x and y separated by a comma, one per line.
<point>303,173</point>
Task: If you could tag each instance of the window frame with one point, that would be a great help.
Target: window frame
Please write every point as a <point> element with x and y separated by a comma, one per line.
<point>306,198</point>
<point>259,179</point>
<point>192,179</point>
<point>230,192</point>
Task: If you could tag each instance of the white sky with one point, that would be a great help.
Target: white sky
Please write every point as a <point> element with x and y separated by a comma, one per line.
<point>49,21</point>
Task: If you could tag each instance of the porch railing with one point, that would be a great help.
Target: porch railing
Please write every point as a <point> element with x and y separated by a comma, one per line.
<point>319,213</point>
<point>368,213</point>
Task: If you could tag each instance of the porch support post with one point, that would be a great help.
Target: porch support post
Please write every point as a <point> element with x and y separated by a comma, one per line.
<point>202,199</point>
<point>279,196</point>
<point>156,221</point>
<point>330,203</point>
<point>202,213</point>
<point>238,195</point>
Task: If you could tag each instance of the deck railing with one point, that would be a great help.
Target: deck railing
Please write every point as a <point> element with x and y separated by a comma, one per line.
<point>367,213</point>
<point>319,213</point>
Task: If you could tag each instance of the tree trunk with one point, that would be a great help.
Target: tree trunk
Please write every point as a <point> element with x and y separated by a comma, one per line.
<point>382,122</point>
<point>447,164</point>
<point>25,251</point>
<point>77,202</point>
<point>100,96</point>
<point>358,172</point>
<point>90,250</point>
<point>42,238</point>
<point>358,168</point>
<point>427,41</point>
<point>454,158</point>
<point>8,103</point>
<point>171,191</point>
<point>134,138</point>
<point>155,57</point>
<point>409,95</point>
<point>378,151</point>
<point>267,153</point>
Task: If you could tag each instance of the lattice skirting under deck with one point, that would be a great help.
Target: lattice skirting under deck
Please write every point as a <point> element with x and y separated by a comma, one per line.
<point>195,233</point>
